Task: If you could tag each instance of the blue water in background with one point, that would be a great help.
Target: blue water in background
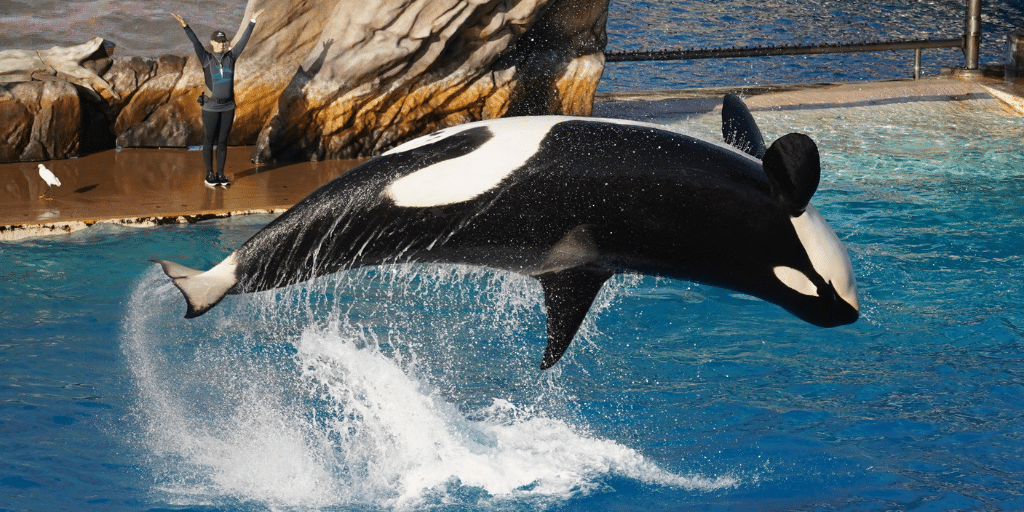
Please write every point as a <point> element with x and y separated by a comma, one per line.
<point>417,388</point>
<point>683,24</point>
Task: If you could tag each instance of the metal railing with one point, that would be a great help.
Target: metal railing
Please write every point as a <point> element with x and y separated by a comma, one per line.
<point>970,43</point>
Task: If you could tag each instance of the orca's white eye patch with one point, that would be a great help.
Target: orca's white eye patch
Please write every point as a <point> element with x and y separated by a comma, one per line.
<point>796,280</point>
<point>513,142</point>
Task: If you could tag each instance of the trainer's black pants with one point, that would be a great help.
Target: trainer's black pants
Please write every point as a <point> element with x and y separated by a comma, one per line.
<point>217,126</point>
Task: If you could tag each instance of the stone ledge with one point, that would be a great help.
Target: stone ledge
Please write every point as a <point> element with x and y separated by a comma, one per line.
<point>804,96</point>
<point>22,231</point>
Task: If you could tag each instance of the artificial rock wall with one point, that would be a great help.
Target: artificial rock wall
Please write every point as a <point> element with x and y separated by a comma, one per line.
<point>319,79</point>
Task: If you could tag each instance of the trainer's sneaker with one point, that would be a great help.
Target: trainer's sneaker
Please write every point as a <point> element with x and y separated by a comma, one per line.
<point>222,180</point>
<point>211,180</point>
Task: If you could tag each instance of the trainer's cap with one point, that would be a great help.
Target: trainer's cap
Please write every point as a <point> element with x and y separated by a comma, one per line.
<point>219,36</point>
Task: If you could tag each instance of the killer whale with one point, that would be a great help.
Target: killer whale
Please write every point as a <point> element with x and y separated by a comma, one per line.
<point>570,201</point>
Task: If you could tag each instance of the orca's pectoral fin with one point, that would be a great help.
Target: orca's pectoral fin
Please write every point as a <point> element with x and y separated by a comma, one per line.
<point>568,295</point>
<point>739,128</point>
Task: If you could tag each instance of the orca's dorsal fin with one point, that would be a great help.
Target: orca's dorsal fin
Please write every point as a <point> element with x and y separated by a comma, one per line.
<point>739,129</point>
<point>793,166</point>
<point>568,295</point>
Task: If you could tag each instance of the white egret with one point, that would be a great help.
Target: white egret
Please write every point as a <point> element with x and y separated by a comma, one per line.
<point>50,179</point>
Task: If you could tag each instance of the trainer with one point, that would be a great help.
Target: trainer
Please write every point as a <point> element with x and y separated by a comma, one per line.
<point>218,101</point>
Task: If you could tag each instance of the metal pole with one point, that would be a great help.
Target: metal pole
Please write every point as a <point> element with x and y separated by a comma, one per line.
<point>972,34</point>
<point>917,63</point>
<point>1015,55</point>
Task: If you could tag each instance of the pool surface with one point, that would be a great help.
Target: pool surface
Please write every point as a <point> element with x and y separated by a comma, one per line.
<point>416,387</point>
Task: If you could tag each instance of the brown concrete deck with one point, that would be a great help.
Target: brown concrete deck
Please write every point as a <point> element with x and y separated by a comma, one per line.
<point>155,186</point>
<point>148,186</point>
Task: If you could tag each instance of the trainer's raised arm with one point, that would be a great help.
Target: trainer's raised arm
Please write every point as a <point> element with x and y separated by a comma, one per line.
<point>256,15</point>
<point>180,20</point>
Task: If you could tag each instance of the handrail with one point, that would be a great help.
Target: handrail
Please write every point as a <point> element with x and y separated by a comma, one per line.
<point>767,51</point>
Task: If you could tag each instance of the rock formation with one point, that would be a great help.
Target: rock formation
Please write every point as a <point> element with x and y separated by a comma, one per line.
<point>396,69</point>
<point>42,121</point>
<point>41,101</point>
<point>320,79</point>
<point>79,64</point>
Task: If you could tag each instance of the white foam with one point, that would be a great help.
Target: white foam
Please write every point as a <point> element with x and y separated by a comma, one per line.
<point>217,427</point>
<point>417,444</point>
<point>336,420</point>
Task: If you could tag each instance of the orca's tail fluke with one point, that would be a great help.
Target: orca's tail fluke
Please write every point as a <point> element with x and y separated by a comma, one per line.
<point>202,290</point>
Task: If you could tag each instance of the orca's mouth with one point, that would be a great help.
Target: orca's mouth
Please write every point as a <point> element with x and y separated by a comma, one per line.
<point>835,313</point>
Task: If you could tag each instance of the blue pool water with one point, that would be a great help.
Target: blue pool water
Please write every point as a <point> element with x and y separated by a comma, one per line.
<point>416,387</point>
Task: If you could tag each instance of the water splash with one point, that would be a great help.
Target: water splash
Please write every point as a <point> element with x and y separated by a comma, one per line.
<point>388,387</point>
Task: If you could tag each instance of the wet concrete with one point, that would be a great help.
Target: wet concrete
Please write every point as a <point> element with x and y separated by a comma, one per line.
<point>652,105</point>
<point>148,186</point>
